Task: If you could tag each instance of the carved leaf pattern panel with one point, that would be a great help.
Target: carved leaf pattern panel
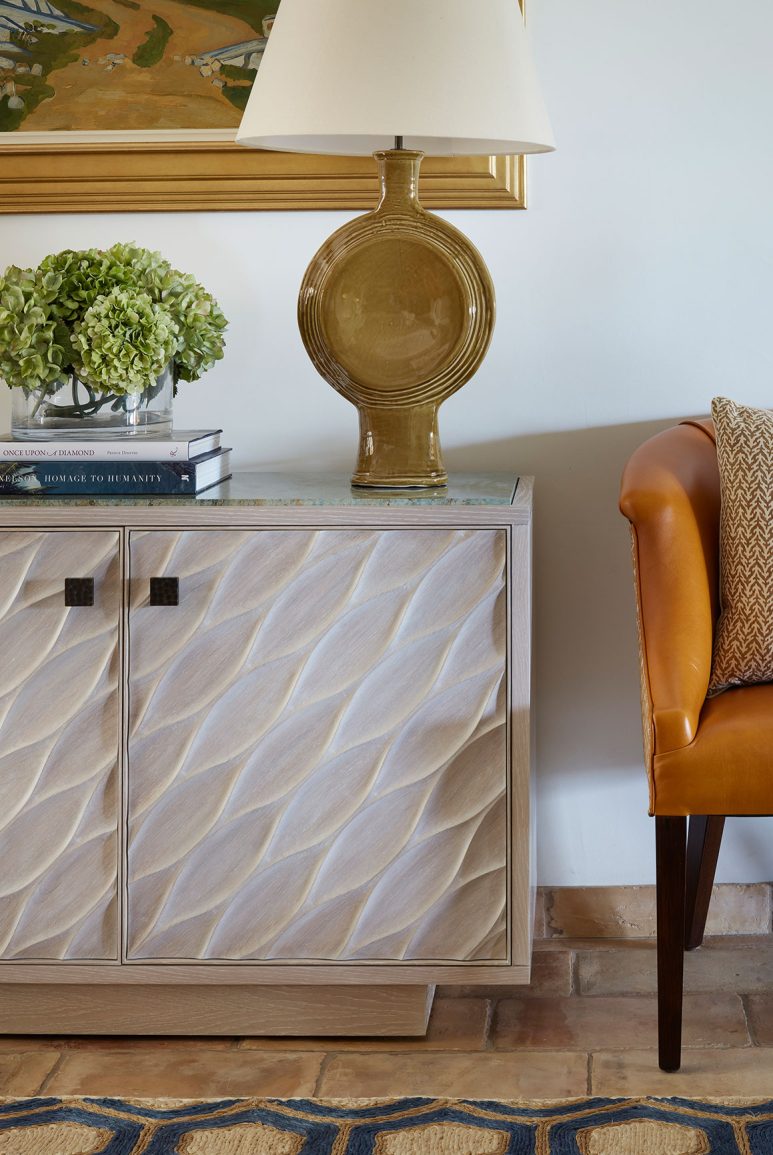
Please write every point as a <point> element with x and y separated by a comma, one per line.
<point>59,742</point>
<point>317,746</point>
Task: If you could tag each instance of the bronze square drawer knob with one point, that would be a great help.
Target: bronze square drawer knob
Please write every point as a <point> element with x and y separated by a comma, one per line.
<point>79,591</point>
<point>164,591</point>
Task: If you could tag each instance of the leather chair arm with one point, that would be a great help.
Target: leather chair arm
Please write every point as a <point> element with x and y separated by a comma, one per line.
<point>670,494</point>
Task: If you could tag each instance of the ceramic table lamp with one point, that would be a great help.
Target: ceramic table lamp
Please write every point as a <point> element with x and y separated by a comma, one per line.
<point>397,308</point>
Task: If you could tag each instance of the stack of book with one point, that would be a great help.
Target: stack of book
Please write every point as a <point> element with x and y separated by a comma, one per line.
<point>185,464</point>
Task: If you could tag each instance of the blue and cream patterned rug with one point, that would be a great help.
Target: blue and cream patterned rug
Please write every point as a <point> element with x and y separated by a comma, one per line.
<point>594,1126</point>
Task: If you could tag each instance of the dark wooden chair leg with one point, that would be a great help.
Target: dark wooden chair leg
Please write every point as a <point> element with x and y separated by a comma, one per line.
<point>670,854</point>
<point>704,836</point>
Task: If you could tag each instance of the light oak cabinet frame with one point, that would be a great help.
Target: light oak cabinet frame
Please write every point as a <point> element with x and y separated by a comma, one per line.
<point>288,997</point>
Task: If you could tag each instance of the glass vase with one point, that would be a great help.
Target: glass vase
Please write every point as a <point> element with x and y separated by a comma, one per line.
<point>72,409</point>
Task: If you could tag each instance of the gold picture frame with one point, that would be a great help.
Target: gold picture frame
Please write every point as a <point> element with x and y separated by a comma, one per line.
<point>219,175</point>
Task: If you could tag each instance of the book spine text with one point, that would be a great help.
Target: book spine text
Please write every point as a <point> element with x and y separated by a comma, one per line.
<point>100,451</point>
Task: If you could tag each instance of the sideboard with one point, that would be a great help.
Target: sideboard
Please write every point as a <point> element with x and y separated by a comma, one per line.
<point>264,756</point>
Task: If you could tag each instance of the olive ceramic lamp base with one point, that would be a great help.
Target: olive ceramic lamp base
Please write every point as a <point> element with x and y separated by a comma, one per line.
<point>396,312</point>
<point>399,448</point>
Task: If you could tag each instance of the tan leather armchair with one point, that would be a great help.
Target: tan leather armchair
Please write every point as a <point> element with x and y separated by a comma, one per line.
<point>705,757</point>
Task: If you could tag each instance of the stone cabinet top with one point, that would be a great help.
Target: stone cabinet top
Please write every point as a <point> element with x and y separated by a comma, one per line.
<point>318,489</point>
<point>483,496</point>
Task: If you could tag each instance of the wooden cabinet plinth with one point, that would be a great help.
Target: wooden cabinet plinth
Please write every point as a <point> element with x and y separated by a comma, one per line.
<point>247,1009</point>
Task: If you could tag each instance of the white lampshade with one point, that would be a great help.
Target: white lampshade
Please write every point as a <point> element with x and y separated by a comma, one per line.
<point>452,77</point>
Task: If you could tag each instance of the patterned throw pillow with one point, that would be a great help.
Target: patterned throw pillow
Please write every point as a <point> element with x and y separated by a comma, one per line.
<point>743,647</point>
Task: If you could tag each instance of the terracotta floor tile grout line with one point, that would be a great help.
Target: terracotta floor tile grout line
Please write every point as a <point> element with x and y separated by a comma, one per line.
<point>549,1049</point>
<point>327,1058</point>
<point>54,1071</point>
<point>488,1027</point>
<point>753,1041</point>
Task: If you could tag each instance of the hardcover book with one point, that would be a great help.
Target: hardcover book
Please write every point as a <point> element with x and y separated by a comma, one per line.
<point>114,478</point>
<point>182,445</point>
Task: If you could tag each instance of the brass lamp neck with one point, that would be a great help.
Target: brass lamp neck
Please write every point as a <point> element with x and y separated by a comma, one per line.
<point>398,171</point>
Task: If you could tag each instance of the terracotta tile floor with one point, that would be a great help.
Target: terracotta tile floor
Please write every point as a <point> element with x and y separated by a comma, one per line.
<point>586,1024</point>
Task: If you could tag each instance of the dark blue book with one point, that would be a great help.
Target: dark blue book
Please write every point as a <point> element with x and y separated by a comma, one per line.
<point>114,478</point>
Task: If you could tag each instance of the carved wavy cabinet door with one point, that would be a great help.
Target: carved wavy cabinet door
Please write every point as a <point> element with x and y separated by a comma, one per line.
<point>59,743</point>
<point>317,746</point>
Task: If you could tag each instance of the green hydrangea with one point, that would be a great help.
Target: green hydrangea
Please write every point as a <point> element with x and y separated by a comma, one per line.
<point>76,312</point>
<point>85,275</point>
<point>123,342</point>
<point>200,321</point>
<point>31,356</point>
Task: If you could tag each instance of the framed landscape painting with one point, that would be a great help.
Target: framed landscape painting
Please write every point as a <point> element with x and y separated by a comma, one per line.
<point>133,104</point>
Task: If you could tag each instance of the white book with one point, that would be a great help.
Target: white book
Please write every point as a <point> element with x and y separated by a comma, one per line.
<point>182,445</point>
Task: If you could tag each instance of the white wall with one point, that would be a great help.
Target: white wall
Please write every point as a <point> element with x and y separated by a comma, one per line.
<point>638,284</point>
